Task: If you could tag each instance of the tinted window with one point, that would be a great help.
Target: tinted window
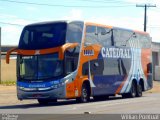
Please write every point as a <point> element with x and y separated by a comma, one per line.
<point>71,62</point>
<point>98,35</point>
<point>40,67</point>
<point>122,37</point>
<point>104,36</point>
<point>43,36</point>
<point>74,32</point>
<point>91,37</point>
<point>96,66</point>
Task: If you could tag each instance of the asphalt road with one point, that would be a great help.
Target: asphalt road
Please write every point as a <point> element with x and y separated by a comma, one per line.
<point>149,103</point>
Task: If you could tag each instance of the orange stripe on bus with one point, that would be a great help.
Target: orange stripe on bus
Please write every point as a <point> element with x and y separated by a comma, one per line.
<point>34,52</point>
<point>99,25</point>
<point>121,85</point>
<point>8,54</point>
<point>141,32</point>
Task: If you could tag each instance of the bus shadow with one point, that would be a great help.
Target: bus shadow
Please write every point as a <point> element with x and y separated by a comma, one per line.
<point>59,103</point>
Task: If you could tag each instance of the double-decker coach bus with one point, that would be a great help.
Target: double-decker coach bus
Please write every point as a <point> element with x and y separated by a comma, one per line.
<point>79,60</point>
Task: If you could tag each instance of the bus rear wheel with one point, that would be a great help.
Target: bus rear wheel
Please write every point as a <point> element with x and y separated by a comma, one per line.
<point>132,93</point>
<point>46,101</point>
<point>139,91</point>
<point>85,94</point>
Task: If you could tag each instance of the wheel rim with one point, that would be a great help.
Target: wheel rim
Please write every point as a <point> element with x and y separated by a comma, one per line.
<point>139,90</point>
<point>84,95</point>
<point>133,90</point>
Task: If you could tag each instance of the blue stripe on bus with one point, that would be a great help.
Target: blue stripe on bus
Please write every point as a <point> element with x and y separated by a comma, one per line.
<point>35,84</point>
<point>106,84</point>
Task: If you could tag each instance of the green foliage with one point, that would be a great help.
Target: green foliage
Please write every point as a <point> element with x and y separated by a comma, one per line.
<point>8,82</point>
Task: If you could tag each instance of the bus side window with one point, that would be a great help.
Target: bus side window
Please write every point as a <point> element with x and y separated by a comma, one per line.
<point>71,62</point>
<point>74,32</point>
<point>122,37</point>
<point>98,35</point>
<point>69,66</point>
<point>104,36</point>
<point>91,37</point>
<point>96,67</point>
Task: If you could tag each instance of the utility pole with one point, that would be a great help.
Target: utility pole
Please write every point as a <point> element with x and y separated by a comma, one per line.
<point>0,57</point>
<point>145,13</point>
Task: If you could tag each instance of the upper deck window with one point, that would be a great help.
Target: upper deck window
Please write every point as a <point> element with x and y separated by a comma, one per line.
<point>43,36</point>
<point>74,32</point>
<point>98,35</point>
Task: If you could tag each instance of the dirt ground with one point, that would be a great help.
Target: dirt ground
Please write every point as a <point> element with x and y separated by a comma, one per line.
<point>156,87</point>
<point>8,94</point>
<point>8,71</point>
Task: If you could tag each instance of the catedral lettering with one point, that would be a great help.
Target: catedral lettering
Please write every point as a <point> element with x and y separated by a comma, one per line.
<point>116,53</point>
<point>67,60</point>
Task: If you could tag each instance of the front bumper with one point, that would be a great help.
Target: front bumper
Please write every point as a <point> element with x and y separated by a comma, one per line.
<point>57,93</point>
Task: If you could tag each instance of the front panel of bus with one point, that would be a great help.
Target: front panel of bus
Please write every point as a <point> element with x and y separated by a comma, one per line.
<point>45,75</point>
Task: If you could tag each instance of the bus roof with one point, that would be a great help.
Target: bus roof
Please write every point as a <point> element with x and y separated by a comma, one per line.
<point>51,22</point>
<point>88,23</point>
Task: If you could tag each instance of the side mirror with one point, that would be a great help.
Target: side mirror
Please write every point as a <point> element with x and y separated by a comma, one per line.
<point>65,47</point>
<point>9,53</point>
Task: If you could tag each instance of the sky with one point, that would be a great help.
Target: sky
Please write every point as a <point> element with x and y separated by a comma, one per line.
<point>15,14</point>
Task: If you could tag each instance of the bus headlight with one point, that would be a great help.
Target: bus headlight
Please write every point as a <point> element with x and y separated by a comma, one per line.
<point>59,84</point>
<point>27,89</point>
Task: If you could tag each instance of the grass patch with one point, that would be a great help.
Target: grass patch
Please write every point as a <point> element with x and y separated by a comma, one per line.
<point>8,83</point>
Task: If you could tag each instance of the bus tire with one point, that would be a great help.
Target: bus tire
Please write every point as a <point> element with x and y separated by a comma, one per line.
<point>133,90</point>
<point>139,91</point>
<point>46,101</point>
<point>85,94</point>
<point>132,93</point>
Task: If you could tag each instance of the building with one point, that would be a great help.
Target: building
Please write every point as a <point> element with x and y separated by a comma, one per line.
<point>156,60</point>
<point>4,50</point>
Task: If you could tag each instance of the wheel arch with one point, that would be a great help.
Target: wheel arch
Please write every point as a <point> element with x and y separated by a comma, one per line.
<point>134,81</point>
<point>141,82</point>
<point>87,83</point>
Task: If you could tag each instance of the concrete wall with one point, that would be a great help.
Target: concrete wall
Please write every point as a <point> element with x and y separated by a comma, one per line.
<point>156,60</point>
<point>8,71</point>
<point>157,73</point>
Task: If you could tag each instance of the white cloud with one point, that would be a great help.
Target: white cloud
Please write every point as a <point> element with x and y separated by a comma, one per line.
<point>10,35</point>
<point>33,9</point>
<point>4,16</point>
<point>124,22</point>
<point>74,14</point>
<point>21,21</point>
<point>157,2</point>
<point>153,17</point>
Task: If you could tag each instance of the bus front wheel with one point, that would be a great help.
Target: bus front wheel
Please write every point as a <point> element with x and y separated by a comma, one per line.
<point>85,94</point>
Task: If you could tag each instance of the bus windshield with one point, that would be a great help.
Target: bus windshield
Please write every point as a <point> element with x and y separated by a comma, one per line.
<point>40,67</point>
<point>43,36</point>
<point>49,35</point>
